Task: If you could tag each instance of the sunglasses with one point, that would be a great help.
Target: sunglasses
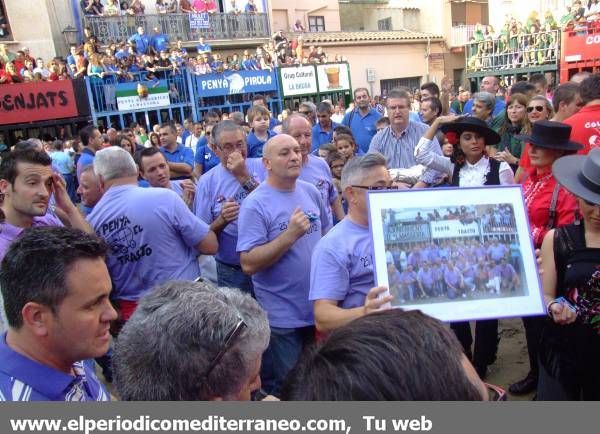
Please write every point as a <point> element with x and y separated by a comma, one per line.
<point>229,341</point>
<point>539,108</point>
<point>376,187</point>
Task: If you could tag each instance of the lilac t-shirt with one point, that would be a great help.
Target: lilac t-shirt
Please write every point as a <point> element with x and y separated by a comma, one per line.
<point>213,189</point>
<point>342,265</point>
<point>8,232</point>
<point>282,289</point>
<point>317,172</point>
<point>152,237</point>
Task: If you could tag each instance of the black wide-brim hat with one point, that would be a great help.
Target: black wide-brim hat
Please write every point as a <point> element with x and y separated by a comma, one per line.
<point>580,174</point>
<point>473,124</point>
<point>551,135</point>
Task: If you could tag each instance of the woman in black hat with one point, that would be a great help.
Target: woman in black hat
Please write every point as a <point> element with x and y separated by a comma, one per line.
<point>469,166</point>
<point>570,345</point>
<point>548,206</point>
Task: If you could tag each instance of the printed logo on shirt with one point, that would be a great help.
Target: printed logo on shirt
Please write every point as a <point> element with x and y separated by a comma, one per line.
<point>312,217</point>
<point>122,237</point>
<point>366,261</point>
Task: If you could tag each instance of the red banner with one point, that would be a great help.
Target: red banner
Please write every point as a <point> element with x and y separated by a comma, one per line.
<point>30,102</point>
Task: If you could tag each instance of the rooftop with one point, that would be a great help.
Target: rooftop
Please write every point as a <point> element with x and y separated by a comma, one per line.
<point>368,37</point>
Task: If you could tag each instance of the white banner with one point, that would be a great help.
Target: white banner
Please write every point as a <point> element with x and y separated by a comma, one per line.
<point>453,229</point>
<point>300,80</point>
<point>333,77</point>
<point>136,103</point>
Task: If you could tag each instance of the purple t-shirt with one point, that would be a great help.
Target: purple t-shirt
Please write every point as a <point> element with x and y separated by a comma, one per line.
<point>497,252</point>
<point>452,277</point>
<point>152,237</point>
<point>282,289</point>
<point>213,189</point>
<point>8,232</point>
<point>426,277</point>
<point>342,265</point>
<point>317,172</point>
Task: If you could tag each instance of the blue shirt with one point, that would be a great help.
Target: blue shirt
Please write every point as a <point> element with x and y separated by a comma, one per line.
<point>62,162</point>
<point>85,159</point>
<point>255,145</point>
<point>160,42</point>
<point>498,108</point>
<point>342,265</point>
<point>181,154</point>
<point>214,189</point>
<point>152,237</point>
<point>426,277</point>
<point>203,48</point>
<point>205,157</point>
<point>282,289</point>
<point>24,379</point>
<point>320,137</point>
<point>363,127</point>
<point>141,43</point>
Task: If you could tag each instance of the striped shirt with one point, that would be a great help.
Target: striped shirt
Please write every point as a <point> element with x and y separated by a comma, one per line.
<point>399,151</point>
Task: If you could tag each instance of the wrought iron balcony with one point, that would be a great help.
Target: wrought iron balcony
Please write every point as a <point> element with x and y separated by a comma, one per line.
<point>222,26</point>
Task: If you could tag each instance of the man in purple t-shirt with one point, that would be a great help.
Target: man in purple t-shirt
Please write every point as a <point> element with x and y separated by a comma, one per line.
<point>153,236</point>
<point>315,170</point>
<point>342,282</point>
<point>282,221</point>
<point>154,168</point>
<point>219,195</point>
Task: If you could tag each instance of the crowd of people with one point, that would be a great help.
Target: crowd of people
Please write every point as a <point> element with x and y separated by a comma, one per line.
<point>533,42</point>
<point>277,214</point>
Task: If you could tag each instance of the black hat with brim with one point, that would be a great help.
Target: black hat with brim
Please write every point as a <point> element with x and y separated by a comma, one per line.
<point>580,174</point>
<point>475,125</point>
<point>551,135</point>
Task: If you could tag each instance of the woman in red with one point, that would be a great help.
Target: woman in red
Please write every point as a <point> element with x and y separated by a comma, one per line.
<point>548,206</point>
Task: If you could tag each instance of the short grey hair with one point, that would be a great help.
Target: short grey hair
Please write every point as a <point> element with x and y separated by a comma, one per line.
<point>285,125</point>
<point>226,126</point>
<point>487,98</point>
<point>358,168</point>
<point>309,105</point>
<point>165,349</point>
<point>114,162</point>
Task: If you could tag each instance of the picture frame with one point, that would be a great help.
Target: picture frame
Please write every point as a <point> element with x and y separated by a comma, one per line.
<point>457,254</point>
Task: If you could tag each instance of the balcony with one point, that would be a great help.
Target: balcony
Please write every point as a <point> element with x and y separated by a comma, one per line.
<point>461,35</point>
<point>223,26</point>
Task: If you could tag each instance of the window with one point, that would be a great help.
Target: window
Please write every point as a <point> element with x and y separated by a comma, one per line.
<point>4,26</point>
<point>385,24</point>
<point>316,24</point>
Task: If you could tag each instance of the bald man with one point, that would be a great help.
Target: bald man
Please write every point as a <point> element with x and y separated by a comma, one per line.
<point>283,219</point>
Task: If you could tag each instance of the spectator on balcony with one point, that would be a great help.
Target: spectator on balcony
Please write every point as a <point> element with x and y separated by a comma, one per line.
<point>251,8</point>
<point>249,63</point>
<point>208,6</point>
<point>164,7</point>
<point>203,47</point>
<point>579,11</point>
<point>5,55</point>
<point>159,41</point>
<point>233,8</point>
<point>185,7</point>
<point>298,27</point>
<point>41,68</point>
<point>201,66</point>
<point>592,12</point>
<point>137,7</point>
<point>95,69</point>
<point>27,70</point>
<point>87,6</point>
<point>141,40</point>
<point>9,74</point>
<point>111,9</point>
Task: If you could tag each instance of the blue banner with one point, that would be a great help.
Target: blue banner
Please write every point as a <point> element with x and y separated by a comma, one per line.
<point>199,21</point>
<point>235,82</point>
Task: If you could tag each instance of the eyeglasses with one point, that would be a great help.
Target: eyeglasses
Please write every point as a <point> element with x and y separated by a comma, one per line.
<point>229,341</point>
<point>495,393</point>
<point>376,187</point>
<point>539,108</point>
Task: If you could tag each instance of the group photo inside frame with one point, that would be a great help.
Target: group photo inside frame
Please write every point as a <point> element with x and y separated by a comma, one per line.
<point>456,254</point>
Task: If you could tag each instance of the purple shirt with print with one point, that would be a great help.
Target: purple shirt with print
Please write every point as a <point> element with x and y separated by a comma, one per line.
<point>282,289</point>
<point>8,232</point>
<point>152,237</point>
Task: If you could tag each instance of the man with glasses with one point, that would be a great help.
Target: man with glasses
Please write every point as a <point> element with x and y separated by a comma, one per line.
<point>221,331</point>
<point>362,119</point>
<point>219,195</point>
<point>282,221</point>
<point>398,141</point>
<point>342,285</point>
<point>309,109</point>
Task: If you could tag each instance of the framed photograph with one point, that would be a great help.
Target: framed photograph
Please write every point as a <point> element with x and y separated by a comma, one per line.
<point>457,254</point>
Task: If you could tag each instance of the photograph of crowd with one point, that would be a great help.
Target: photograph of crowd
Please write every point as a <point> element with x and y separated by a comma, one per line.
<point>464,253</point>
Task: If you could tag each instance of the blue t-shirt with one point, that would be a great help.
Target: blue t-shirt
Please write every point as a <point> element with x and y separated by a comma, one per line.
<point>363,127</point>
<point>141,43</point>
<point>317,172</point>
<point>62,162</point>
<point>85,159</point>
<point>181,154</point>
<point>205,157</point>
<point>160,42</point>
<point>152,237</point>
<point>498,107</point>
<point>282,289</point>
<point>24,379</point>
<point>255,145</point>
<point>426,277</point>
<point>212,190</point>
<point>342,265</point>
<point>320,137</point>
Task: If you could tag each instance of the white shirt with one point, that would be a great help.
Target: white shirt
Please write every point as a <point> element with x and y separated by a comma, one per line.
<point>471,175</point>
<point>191,141</point>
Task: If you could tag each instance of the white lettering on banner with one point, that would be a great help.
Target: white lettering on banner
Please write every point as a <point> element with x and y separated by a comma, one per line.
<point>592,124</point>
<point>453,229</point>
<point>137,103</point>
<point>592,40</point>
<point>219,83</point>
<point>298,81</point>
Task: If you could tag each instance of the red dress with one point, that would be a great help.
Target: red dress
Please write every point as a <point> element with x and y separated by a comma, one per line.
<point>537,190</point>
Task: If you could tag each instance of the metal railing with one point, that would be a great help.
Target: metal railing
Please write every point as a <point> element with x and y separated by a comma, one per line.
<point>177,26</point>
<point>461,35</point>
<point>519,51</point>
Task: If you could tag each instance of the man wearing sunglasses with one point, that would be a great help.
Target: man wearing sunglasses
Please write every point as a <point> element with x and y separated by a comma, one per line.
<point>341,276</point>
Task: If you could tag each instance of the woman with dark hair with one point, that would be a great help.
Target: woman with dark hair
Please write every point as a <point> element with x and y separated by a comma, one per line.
<point>469,166</point>
<point>548,207</point>
<point>515,122</point>
<point>126,143</point>
<point>570,345</point>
